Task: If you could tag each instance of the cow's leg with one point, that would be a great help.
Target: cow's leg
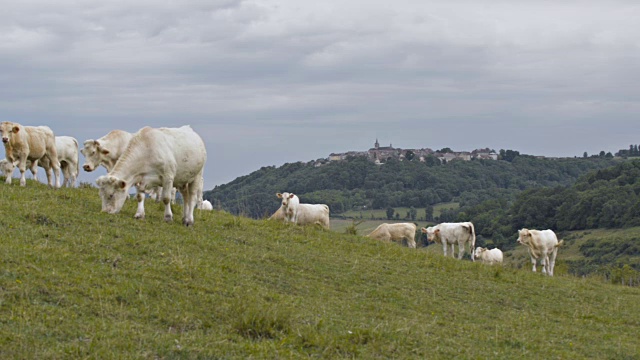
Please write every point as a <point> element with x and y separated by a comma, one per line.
<point>190,198</point>
<point>444,248</point>
<point>140,198</point>
<point>453,249</point>
<point>461,250</point>
<point>167,184</point>
<point>552,265</point>
<point>22,165</point>
<point>533,261</point>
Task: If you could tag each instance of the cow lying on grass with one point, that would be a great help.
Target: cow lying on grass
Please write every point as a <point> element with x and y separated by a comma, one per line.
<point>303,214</point>
<point>493,256</point>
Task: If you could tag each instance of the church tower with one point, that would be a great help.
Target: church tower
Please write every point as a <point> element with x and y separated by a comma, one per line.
<point>377,144</point>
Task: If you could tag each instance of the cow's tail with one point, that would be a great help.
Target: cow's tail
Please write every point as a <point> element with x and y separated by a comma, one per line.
<point>473,241</point>
<point>560,243</point>
<point>77,160</point>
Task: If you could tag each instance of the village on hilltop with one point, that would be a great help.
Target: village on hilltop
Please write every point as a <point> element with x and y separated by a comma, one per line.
<point>380,154</point>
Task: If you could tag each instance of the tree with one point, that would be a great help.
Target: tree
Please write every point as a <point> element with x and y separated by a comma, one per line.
<point>410,155</point>
<point>413,213</point>
<point>602,154</point>
<point>585,155</point>
<point>397,216</point>
<point>445,150</point>
<point>390,212</point>
<point>428,213</point>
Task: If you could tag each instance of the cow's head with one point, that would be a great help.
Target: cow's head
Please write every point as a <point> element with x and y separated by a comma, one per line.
<point>433,233</point>
<point>7,129</point>
<point>113,192</point>
<point>93,153</point>
<point>286,198</point>
<point>478,252</point>
<point>6,167</point>
<point>524,237</point>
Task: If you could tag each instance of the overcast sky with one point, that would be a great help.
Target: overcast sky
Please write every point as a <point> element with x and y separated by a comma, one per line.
<point>273,81</point>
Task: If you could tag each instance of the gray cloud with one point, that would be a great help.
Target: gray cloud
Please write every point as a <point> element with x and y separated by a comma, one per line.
<point>268,82</point>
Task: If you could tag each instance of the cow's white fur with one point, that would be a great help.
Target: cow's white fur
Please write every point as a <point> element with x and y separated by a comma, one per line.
<point>164,157</point>
<point>396,232</point>
<point>67,149</point>
<point>449,234</point>
<point>493,256</point>
<point>304,214</point>
<point>543,245</point>
<point>30,143</point>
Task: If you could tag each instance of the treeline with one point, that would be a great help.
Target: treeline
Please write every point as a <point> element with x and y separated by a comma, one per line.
<point>631,152</point>
<point>604,198</point>
<point>357,182</point>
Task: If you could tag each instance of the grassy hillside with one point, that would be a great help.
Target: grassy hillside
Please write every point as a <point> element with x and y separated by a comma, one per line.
<point>77,283</point>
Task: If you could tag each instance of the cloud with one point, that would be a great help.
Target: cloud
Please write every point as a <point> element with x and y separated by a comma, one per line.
<point>260,78</point>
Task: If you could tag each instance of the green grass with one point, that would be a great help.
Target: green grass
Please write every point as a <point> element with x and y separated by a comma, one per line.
<point>382,213</point>
<point>78,283</point>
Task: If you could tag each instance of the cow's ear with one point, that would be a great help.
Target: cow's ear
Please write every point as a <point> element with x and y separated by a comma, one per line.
<point>291,195</point>
<point>279,195</point>
<point>104,152</point>
<point>122,184</point>
<point>437,231</point>
<point>15,129</point>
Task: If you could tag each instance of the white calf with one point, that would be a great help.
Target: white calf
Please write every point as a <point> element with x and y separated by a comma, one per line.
<point>493,256</point>
<point>395,232</point>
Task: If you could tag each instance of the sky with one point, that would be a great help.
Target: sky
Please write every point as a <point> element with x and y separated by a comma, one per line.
<point>274,81</point>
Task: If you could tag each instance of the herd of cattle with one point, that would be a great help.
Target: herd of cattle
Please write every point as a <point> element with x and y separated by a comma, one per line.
<point>542,245</point>
<point>156,160</point>
<point>159,161</point>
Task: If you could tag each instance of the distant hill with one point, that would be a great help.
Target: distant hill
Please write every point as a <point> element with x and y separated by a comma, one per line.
<point>356,182</point>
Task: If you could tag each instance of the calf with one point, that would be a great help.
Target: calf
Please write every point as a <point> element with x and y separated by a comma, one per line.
<point>493,256</point>
<point>396,232</point>
<point>30,143</point>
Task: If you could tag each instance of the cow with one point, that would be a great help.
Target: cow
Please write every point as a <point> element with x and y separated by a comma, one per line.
<point>105,151</point>
<point>493,256</point>
<point>167,157</point>
<point>395,232</point>
<point>303,214</point>
<point>543,245</point>
<point>206,205</point>
<point>30,143</point>
<point>67,148</point>
<point>453,233</point>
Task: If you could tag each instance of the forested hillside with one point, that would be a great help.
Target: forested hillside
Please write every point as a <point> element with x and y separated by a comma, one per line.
<point>357,182</point>
<point>606,198</point>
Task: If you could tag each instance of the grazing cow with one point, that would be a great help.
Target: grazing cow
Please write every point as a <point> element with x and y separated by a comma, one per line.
<point>67,148</point>
<point>30,143</point>
<point>303,214</point>
<point>493,256</point>
<point>164,157</point>
<point>396,232</point>
<point>451,234</point>
<point>541,244</point>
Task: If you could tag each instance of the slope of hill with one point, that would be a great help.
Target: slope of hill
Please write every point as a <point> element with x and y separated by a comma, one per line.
<point>77,283</point>
<point>357,182</point>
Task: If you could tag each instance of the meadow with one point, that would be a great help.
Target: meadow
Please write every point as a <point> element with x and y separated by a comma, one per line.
<point>78,283</point>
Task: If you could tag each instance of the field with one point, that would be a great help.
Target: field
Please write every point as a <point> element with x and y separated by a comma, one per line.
<point>382,213</point>
<point>78,283</point>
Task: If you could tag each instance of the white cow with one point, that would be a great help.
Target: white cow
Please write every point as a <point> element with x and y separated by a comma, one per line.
<point>449,234</point>
<point>303,214</point>
<point>206,205</point>
<point>105,151</point>
<point>67,148</point>
<point>493,256</point>
<point>164,157</point>
<point>278,215</point>
<point>396,232</point>
<point>541,244</point>
<point>30,143</point>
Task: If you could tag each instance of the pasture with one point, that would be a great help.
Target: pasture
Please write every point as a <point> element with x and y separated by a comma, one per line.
<point>78,283</point>
<point>382,213</point>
